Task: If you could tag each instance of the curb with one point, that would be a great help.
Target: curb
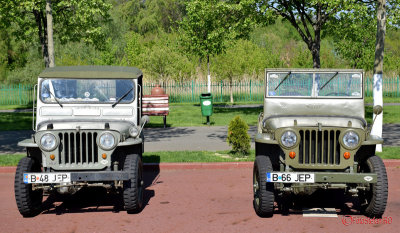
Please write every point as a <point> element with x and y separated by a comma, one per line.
<point>192,166</point>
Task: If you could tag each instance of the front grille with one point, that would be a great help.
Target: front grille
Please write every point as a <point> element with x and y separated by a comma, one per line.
<point>319,147</point>
<point>78,148</point>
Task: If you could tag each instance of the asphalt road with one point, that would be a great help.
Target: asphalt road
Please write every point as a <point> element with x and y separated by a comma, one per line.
<point>180,138</point>
<point>156,139</point>
<point>205,200</point>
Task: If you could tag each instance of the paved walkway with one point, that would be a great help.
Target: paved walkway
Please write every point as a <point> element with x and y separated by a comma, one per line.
<point>180,138</point>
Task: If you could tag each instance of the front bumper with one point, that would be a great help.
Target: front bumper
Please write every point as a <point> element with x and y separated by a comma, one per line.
<point>341,178</point>
<point>100,176</point>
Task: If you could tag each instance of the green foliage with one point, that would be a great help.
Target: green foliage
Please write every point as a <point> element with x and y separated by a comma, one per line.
<point>73,19</point>
<point>210,26</point>
<point>159,57</point>
<point>354,36</point>
<point>238,137</point>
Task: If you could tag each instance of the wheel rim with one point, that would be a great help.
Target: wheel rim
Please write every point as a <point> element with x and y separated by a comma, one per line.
<point>366,195</point>
<point>256,188</point>
<point>140,186</point>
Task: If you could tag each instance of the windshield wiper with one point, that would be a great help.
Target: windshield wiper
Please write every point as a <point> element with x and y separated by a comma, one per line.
<point>55,98</point>
<point>329,80</point>
<point>122,97</point>
<point>283,79</point>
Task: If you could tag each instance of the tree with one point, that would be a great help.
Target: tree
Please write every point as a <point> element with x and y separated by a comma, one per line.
<point>73,20</point>
<point>244,57</point>
<point>354,36</point>
<point>307,17</point>
<point>210,25</point>
<point>378,66</point>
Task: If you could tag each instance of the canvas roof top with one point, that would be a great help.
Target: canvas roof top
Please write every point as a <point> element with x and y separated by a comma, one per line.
<point>95,72</point>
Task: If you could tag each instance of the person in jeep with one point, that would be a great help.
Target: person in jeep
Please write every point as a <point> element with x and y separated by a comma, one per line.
<point>312,135</point>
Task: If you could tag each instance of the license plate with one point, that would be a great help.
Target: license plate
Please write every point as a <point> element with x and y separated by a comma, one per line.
<point>43,178</point>
<point>292,177</point>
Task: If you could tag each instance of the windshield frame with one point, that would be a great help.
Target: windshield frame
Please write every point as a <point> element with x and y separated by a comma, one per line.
<point>314,89</point>
<point>86,102</point>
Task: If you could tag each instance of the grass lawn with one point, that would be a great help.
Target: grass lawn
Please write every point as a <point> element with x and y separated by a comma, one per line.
<point>15,121</point>
<point>163,157</point>
<point>12,107</point>
<point>190,115</point>
<point>195,156</point>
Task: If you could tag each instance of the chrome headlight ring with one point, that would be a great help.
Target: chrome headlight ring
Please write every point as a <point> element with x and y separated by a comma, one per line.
<point>48,142</point>
<point>351,140</point>
<point>107,141</point>
<point>289,139</point>
<point>133,131</point>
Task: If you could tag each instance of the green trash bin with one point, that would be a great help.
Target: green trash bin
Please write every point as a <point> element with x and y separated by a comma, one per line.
<point>206,105</point>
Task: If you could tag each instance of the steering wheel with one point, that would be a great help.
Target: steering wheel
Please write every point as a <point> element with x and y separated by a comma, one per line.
<point>337,94</point>
<point>291,93</point>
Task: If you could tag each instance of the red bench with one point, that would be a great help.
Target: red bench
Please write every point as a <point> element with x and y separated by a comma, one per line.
<point>156,105</point>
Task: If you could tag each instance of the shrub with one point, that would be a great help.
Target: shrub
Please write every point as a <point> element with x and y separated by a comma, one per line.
<point>238,137</point>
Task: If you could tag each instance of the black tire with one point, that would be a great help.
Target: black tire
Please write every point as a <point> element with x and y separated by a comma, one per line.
<point>29,202</point>
<point>263,202</point>
<point>373,201</point>
<point>133,188</point>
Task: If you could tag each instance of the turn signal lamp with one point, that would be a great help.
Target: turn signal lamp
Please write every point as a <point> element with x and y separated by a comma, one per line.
<point>292,154</point>
<point>104,156</point>
<point>52,157</point>
<point>346,155</point>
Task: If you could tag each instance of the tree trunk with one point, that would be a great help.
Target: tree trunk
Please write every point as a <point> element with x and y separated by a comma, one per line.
<point>208,75</point>
<point>231,90</point>
<point>378,67</point>
<point>42,32</point>
<point>316,56</point>
<point>50,44</point>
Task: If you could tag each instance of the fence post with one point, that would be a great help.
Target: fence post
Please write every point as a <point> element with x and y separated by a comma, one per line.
<point>398,93</point>
<point>192,91</point>
<point>19,93</point>
<point>221,91</point>
<point>250,91</point>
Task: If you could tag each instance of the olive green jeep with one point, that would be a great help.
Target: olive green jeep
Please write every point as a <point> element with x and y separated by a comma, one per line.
<point>88,133</point>
<point>313,135</point>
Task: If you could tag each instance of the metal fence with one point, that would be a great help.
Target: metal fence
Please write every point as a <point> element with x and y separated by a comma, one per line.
<point>16,94</point>
<point>189,91</point>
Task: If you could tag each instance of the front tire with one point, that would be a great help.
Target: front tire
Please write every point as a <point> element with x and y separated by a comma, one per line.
<point>263,202</point>
<point>133,188</point>
<point>373,201</point>
<point>29,201</point>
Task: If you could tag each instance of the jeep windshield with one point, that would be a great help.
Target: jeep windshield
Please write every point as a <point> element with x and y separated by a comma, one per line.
<point>314,84</point>
<point>86,90</point>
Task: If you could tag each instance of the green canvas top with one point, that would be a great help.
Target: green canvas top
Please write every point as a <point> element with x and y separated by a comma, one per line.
<point>95,72</point>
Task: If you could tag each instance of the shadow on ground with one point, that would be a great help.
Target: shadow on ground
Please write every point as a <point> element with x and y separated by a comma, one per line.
<point>97,199</point>
<point>154,135</point>
<point>294,205</point>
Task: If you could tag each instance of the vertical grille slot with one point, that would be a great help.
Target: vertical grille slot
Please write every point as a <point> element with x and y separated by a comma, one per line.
<point>78,148</point>
<point>319,147</point>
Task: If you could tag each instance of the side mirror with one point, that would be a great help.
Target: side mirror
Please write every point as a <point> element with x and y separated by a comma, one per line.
<point>377,109</point>
<point>144,120</point>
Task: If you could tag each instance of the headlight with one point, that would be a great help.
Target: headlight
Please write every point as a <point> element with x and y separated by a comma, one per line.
<point>289,138</point>
<point>48,142</point>
<point>351,139</point>
<point>133,131</point>
<point>107,141</point>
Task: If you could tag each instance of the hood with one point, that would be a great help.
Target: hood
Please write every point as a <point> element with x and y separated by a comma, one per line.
<point>120,126</point>
<point>276,122</point>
